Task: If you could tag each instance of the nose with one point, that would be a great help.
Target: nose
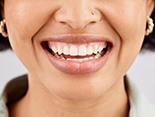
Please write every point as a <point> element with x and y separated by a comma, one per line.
<point>78,16</point>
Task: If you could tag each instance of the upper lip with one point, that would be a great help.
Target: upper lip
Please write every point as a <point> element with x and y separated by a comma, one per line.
<point>77,38</point>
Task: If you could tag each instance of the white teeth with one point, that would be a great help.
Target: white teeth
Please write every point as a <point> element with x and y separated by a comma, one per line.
<point>82,59</point>
<point>82,50</point>
<point>89,50</point>
<point>100,48</point>
<point>61,57</point>
<point>79,60</point>
<point>54,49</point>
<point>97,55</point>
<point>104,46</point>
<point>57,55</point>
<point>90,58</point>
<point>85,59</point>
<point>60,50</point>
<point>69,59</point>
<point>75,59</point>
<point>77,50</point>
<point>73,50</point>
<point>66,50</point>
<point>95,49</point>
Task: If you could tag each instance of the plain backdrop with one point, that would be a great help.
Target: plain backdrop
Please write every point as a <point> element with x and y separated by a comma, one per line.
<point>142,71</point>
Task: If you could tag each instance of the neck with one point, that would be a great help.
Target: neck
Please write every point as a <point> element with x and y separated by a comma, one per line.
<point>39,103</point>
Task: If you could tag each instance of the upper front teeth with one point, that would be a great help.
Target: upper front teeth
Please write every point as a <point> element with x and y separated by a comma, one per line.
<point>77,50</point>
<point>73,50</point>
<point>82,50</point>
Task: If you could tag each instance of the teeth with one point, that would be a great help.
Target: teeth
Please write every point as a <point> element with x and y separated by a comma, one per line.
<point>90,58</point>
<point>77,50</point>
<point>95,49</point>
<point>54,49</point>
<point>66,50</point>
<point>75,59</point>
<point>100,48</point>
<point>104,46</point>
<point>60,50</point>
<point>69,59</point>
<point>82,50</point>
<point>98,55</point>
<point>79,60</point>
<point>57,55</point>
<point>89,50</point>
<point>62,57</point>
<point>73,50</point>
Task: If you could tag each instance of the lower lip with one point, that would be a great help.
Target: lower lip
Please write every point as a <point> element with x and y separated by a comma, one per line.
<point>71,67</point>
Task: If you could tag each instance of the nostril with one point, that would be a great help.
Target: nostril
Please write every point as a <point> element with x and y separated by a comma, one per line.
<point>77,20</point>
<point>62,22</point>
<point>93,22</point>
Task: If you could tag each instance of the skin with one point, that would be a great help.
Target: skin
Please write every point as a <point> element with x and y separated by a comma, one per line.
<point>54,93</point>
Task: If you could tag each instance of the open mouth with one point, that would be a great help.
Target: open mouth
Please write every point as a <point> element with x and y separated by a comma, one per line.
<point>77,52</point>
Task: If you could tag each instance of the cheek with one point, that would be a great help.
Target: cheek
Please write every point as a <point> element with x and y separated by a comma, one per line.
<point>130,20</point>
<point>129,25</point>
<point>22,24</point>
<point>21,20</point>
<point>131,29</point>
<point>25,17</point>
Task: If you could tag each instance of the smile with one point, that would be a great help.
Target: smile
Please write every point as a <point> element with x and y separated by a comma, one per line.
<point>77,54</point>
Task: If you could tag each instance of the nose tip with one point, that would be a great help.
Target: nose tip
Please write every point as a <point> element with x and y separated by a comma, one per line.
<point>77,20</point>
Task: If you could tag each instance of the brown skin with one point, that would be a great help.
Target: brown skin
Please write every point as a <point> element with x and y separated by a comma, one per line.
<point>56,94</point>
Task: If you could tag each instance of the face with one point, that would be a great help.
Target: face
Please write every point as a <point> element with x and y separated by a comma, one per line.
<point>76,49</point>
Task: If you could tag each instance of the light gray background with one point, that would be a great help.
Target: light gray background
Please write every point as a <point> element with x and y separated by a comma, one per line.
<point>142,71</point>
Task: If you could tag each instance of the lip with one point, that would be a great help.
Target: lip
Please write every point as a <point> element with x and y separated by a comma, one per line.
<point>72,67</point>
<point>76,38</point>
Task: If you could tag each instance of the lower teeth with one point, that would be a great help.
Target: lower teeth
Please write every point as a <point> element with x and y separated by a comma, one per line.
<point>98,55</point>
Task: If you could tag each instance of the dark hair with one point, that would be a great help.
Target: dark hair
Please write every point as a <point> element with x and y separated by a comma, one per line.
<point>4,42</point>
<point>148,44</point>
<point>149,41</point>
